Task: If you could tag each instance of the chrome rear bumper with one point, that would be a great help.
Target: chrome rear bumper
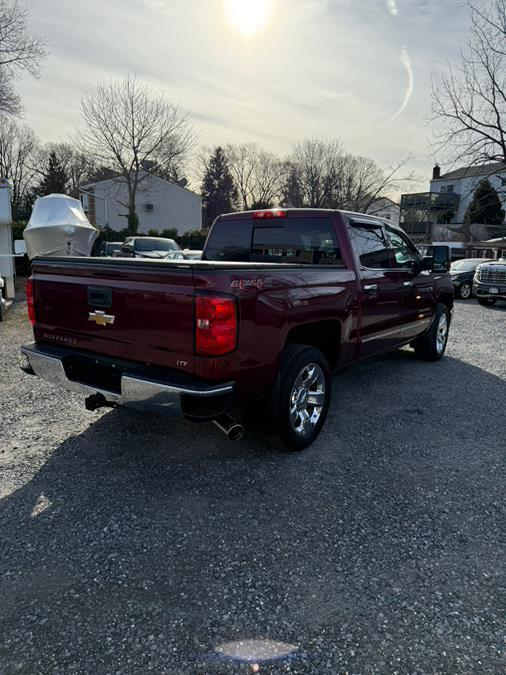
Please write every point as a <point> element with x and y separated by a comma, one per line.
<point>160,396</point>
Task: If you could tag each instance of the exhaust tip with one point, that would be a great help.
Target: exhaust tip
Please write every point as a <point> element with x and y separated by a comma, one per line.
<point>235,433</point>
<point>232,429</point>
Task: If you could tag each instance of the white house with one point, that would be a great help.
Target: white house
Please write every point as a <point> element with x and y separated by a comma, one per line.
<point>160,204</point>
<point>438,215</point>
<point>463,182</point>
<point>385,208</point>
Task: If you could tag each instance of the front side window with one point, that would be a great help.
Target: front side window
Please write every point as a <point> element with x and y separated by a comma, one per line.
<point>406,255</point>
<point>370,246</point>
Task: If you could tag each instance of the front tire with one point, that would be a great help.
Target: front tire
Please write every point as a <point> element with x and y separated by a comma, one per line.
<point>465,290</point>
<point>301,398</point>
<point>487,301</point>
<point>432,345</point>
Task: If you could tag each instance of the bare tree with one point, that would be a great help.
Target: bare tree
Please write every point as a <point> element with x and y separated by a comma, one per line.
<point>257,175</point>
<point>127,126</point>
<point>365,182</point>
<point>20,51</point>
<point>18,149</point>
<point>315,172</point>
<point>321,175</point>
<point>469,103</point>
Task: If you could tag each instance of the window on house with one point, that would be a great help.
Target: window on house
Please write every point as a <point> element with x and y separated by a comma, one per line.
<point>447,188</point>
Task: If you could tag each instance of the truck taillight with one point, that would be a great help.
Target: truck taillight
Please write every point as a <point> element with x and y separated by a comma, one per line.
<point>30,301</point>
<point>216,325</point>
<point>269,213</point>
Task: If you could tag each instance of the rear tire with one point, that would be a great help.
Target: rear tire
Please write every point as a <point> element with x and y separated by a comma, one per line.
<point>300,399</point>
<point>487,301</point>
<point>432,345</point>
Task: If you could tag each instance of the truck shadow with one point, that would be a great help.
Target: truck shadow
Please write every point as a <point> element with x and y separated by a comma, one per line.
<point>142,531</point>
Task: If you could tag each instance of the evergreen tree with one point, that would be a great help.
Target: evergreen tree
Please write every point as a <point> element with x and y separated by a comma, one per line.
<point>485,207</point>
<point>54,179</point>
<point>219,193</point>
<point>292,196</point>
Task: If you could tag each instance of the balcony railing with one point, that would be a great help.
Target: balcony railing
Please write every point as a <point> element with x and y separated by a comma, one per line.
<point>416,227</point>
<point>430,200</point>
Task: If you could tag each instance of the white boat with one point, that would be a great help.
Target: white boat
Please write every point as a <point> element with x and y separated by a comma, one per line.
<point>58,227</point>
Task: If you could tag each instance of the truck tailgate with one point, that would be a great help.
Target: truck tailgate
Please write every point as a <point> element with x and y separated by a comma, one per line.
<point>120,309</point>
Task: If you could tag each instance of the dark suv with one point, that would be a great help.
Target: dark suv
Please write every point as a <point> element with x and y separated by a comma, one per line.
<point>462,273</point>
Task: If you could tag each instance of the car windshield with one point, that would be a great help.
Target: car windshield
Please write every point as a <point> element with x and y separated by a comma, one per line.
<point>146,244</point>
<point>465,265</point>
<point>114,247</point>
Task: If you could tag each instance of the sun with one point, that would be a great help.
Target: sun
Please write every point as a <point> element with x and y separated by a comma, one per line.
<point>248,17</point>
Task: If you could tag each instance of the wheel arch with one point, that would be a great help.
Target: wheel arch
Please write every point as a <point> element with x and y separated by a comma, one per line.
<point>447,298</point>
<point>324,335</point>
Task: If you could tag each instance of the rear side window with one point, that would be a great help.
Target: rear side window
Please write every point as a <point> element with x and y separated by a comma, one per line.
<point>291,240</point>
<point>370,245</point>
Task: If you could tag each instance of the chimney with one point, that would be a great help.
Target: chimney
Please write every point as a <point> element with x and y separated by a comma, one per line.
<point>436,172</point>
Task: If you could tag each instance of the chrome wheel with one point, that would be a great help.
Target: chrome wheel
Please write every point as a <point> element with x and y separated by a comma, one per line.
<point>307,399</point>
<point>442,333</point>
<point>465,291</point>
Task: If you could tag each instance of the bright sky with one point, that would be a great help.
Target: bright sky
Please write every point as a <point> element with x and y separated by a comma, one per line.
<point>270,71</point>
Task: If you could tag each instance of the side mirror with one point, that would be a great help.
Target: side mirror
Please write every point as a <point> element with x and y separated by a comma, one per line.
<point>442,259</point>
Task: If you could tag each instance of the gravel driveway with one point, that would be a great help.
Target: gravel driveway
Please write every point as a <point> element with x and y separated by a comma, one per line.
<point>132,544</point>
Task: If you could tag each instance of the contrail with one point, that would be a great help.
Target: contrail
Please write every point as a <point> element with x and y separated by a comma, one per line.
<point>392,7</point>
<point>406,62</point>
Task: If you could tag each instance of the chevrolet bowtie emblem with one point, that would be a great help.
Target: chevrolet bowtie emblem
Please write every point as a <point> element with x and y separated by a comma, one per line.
<point>101,318</point>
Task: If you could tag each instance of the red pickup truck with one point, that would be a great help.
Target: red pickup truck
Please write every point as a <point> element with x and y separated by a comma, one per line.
<point>279,300</point>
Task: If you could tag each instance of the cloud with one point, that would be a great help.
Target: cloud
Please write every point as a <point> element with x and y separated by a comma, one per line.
<point>392,7</point>
<point>406,62</point>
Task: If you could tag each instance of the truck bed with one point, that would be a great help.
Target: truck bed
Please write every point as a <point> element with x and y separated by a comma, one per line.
<point>149,309</point>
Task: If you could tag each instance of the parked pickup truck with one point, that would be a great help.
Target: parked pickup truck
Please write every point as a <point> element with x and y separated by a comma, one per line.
<point>489,283</point>
<point>279,300</point>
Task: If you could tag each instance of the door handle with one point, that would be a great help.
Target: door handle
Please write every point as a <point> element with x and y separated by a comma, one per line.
<point>371,288</point>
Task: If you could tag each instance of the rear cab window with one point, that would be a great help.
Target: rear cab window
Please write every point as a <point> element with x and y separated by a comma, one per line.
<point>296,240</point>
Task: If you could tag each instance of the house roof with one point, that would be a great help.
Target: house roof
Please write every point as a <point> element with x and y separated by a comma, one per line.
<point>471,171</point>
<point>382,202</point>
<point>105,178</point>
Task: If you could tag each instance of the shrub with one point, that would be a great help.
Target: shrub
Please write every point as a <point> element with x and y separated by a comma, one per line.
<point>194,239</point>
<point>18,229</point>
